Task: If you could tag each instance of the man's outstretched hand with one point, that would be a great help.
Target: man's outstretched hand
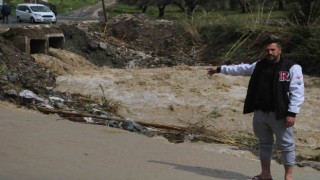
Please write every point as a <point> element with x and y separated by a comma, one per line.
<point>212,70</point>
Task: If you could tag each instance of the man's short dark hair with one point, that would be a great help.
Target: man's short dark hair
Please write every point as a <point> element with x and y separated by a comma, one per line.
<point>271,40</point>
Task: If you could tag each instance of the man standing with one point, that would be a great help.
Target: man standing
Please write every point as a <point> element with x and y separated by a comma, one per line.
<point>275,94</point>
<point>5,11</point>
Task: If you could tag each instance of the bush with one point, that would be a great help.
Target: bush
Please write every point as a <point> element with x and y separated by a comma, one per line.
<point>304,48</point>
<point>306,12</point>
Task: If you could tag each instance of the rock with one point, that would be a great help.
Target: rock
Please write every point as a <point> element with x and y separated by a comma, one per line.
<point>11,93</point>
<point>13,78</point>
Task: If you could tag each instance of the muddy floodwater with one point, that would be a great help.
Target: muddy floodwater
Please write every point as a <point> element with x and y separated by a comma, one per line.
<point>182,95</point>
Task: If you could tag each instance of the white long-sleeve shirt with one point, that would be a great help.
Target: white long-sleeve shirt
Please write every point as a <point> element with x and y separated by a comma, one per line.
<point>296,88</point>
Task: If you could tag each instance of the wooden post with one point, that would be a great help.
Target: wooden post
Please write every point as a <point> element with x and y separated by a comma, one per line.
<point>104,11</point>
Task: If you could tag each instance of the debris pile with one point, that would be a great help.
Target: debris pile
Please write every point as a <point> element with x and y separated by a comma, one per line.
<point>79,108</point>
<point>132,41</point>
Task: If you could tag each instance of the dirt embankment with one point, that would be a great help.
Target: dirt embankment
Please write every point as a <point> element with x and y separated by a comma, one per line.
<point>19,70</point>
<point>153,81</point>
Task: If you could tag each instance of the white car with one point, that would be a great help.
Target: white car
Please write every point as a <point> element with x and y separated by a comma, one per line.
<point>35,13</point>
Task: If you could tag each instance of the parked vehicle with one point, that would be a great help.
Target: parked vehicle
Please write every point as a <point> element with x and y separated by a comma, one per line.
<point>35,13</point>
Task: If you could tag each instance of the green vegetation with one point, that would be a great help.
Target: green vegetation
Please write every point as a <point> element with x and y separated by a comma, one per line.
<point>171,11</point>
<point>70,5</point>
<point>120,9</point>
<point>232,37</point>
<point>214,114</point>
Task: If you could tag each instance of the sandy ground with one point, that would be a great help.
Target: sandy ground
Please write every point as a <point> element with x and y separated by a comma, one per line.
<point>36,146</point>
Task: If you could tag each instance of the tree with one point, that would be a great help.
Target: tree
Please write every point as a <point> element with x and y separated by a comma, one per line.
<point>161,4</point>
<point>234,4</point>
<point>191,5</point>
<point>245,6</point>
<point>281,4</point>
<point>222,4</point>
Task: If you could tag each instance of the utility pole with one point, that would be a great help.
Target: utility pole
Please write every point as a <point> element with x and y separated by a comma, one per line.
<point>104,11</point>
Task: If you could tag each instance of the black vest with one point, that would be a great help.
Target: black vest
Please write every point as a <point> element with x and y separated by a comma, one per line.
<point>280,88</point>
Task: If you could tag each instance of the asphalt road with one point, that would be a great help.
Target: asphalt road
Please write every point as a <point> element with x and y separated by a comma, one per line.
<point>89,13</point>
<point>60,19</point>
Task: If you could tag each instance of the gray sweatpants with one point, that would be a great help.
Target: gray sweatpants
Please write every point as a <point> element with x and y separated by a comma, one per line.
<point>265,127</point>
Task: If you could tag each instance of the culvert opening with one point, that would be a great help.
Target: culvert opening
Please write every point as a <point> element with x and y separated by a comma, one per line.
<point>56,42</point>
<point>37,46</point>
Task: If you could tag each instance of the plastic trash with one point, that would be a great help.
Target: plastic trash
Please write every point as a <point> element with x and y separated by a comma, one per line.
<point>27,94</point>
<point>130,125</point>
<point>56,99</point>
<point>30,95</point>
<point>88,119</point>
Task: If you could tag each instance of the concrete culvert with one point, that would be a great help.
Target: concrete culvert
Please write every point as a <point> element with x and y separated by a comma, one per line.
<point>38,46</point>
<point>56,41</point>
